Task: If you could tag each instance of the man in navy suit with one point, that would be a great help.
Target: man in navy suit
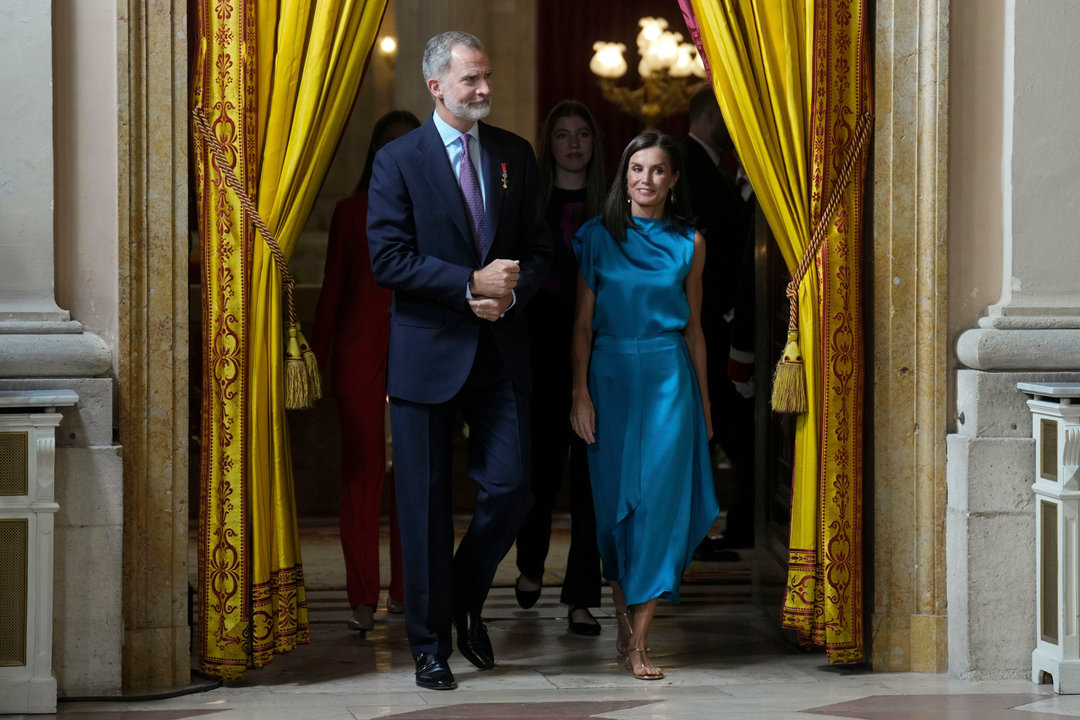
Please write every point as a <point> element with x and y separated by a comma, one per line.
<point>456,230</point>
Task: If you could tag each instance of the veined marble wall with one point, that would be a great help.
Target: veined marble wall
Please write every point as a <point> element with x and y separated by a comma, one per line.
<point>152,241</point>
<point>905,472</point>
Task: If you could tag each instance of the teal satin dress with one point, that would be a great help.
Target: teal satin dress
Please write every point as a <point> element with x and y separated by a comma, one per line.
<point>650,467</point>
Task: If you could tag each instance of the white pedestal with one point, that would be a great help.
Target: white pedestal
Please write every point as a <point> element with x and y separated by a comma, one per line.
<point>1055,425</point>
<point>28,421</point>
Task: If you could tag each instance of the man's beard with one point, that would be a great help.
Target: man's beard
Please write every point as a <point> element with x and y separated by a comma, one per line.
<point>476,110</point>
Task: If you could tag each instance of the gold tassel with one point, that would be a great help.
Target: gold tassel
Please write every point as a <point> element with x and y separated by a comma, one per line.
<point>789,380</point>
<point>311,366</point>
<point>297,385</point>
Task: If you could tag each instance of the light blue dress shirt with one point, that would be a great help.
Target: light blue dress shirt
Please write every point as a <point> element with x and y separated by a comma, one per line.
<point>450,137</point>
<point>451,141</point>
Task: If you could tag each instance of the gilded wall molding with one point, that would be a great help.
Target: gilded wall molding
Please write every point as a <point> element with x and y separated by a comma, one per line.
<point>152,79</point>
<point>909,346</point>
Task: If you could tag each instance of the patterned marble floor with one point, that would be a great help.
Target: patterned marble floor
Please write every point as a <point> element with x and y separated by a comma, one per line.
<point>722,649</point>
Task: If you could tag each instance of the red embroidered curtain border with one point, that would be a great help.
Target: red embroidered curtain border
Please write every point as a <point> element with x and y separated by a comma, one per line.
<point>841,95</point>
<point>224,85</point>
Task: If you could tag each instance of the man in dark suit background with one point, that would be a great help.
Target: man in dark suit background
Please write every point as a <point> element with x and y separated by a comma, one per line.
<point>455,229</point>
<point>723,218</point>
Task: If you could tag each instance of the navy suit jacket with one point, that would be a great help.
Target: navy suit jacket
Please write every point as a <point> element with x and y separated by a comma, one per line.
<point>421,248</point>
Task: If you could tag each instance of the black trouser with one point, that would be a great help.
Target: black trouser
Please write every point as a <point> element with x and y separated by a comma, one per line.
<point>581,586</point>
<point>553,443</point>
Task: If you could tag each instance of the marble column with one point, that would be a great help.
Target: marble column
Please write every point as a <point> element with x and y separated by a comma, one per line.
<point>152,39</point>
<point>1031,334</point>
<point>908,350</point>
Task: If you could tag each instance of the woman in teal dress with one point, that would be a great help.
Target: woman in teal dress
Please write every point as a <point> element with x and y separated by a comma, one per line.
<point>640,398</point>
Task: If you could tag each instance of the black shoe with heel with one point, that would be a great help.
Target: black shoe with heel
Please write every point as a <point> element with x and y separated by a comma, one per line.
<point>526,598</point>
<point>588,626</point>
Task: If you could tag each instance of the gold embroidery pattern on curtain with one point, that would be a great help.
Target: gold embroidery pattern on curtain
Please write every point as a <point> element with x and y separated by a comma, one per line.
<point>277,82</point>
<point>789,385</point>
<point>842,113</point>
<point>221,85</point>
<point>303,384</point>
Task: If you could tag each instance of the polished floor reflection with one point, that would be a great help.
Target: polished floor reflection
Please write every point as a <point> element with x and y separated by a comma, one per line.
<point>722,650</point>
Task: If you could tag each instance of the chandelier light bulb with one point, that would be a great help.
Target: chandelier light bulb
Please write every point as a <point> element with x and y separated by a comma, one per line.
<point>666,49</point>
<point>608,62</point>
<point>651,29</point>
<point>684,62</point>
<point>647,65</point>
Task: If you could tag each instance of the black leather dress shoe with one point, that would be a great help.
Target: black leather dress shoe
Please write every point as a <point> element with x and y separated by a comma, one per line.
<point>525,598</point>
<point>433,672</point>
<point>473,641</point>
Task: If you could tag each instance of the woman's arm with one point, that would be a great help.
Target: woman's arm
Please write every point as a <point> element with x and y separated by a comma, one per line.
<point>695,338</point>
<point>582,413</point>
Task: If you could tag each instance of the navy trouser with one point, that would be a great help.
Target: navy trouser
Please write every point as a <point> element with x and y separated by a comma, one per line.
<point>438,581</point>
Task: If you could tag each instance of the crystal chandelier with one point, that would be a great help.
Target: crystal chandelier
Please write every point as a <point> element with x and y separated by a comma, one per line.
<point>670,70</point>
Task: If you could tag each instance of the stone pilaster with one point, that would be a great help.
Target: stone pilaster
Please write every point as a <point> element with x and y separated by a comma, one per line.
<point>26,165</point>
<point>42,347</point>
<point>1041,147</point>
<point>152,44</point>
<point>37,337</point>
<point>909,335</point>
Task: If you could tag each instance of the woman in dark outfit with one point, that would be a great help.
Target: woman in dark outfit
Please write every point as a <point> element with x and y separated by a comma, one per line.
<point>572,178</point>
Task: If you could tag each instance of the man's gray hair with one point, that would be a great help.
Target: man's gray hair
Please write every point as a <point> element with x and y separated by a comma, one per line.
<point>437,53</point>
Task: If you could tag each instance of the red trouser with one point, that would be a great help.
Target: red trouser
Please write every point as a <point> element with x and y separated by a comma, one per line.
<point>363,471</point>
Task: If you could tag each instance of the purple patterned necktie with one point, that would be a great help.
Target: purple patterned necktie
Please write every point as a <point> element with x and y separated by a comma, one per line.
<point>474,199</point>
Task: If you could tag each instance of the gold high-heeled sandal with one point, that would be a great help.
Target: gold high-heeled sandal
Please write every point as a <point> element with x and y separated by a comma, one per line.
<point>623,617</point>
<point>643,675</point>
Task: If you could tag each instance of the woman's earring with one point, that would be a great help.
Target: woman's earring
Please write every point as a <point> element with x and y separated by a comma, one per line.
<point>671,192</point>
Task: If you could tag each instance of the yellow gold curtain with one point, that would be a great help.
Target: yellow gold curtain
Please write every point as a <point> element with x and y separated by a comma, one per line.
<point>792,80</point>
<point>277,82</point>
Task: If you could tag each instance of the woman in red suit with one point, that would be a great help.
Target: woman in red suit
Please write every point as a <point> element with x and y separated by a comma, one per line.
<point>352,327</point>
